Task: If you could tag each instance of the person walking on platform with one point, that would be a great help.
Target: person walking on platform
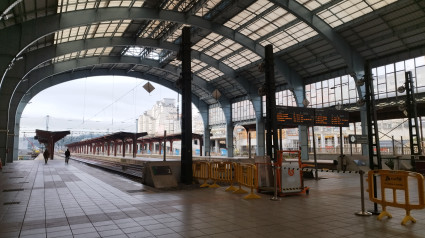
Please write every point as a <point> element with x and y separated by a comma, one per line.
<point>46,155</point>
<point>67,155</point>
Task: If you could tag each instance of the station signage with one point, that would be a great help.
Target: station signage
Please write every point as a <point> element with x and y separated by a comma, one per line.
<point>358,139</point>
<point>301,116</point>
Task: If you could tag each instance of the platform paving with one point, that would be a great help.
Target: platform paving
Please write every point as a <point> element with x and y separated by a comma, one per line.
<point>75,200</point>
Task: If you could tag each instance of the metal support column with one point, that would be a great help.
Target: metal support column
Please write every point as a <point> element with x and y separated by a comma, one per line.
<point>271,123</point>
<point>186,157</point>
<point>412,115</point>
<point>372,128</point>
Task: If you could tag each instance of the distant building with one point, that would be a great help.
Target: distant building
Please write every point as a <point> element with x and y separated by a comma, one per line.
<point>163,116</point>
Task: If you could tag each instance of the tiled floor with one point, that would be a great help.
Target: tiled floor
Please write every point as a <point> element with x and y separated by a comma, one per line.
<point>76,200</point>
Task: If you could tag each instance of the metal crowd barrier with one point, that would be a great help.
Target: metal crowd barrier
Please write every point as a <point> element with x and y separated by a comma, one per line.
<point>227,172</point>
<point>221,172</point>
<point>247,176</point>
<point>201,170</point>
<point>396,180</point>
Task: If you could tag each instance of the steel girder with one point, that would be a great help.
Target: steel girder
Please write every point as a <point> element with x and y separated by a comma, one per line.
<point>354,60</point>
<point>33,30</point>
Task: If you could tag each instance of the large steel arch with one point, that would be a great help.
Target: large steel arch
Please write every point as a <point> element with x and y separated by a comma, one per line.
<point>69,76</point>
<point>354,60</point>
<point>28,32</point>
<point>31,31</point>
<point>36,57</point>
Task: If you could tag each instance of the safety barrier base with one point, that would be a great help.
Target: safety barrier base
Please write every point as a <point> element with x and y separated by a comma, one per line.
<point>231,189</point>
<point>408,218</point>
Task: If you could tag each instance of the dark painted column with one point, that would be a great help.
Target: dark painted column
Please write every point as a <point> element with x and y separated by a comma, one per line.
<point>115,148</point>
<point>123,148</point>
<point>201,143</point>
<point>271,123</point>
<point>186,157</point>
<point>171,147</point>
<point>160,147</point>
<point>134,148</point>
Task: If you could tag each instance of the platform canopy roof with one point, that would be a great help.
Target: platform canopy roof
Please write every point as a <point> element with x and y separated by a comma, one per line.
<point>117,136</point>
<point>46,137</point>
<point>312,39</point>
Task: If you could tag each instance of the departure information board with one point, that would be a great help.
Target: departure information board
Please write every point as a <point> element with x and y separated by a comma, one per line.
<point>329,117</point>
<point>301,116</point>
<point>295,116</point>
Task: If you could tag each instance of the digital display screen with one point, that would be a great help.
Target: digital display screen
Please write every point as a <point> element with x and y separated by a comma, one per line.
<point>330,117</point>
<point>295,116</point>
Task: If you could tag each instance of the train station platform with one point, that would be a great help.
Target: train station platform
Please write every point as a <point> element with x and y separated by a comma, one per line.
<point>76,200</point>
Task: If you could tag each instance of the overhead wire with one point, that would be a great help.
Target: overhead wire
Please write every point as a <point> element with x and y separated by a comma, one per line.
<point>112,104</point>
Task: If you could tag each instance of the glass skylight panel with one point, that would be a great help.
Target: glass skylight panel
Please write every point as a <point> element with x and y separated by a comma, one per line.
<point>207,41</point>
<point>246,15</point>
<point>154,54</point>
<point>280,41</point>
<point>241,59</point>
<point>74,5</point>
<point>206,7</point>
<point>176,34</point>
<point>134,51</point>
<point>376,4</point>
<point>313,4</point>
<point>202,69</point>
<point>101,51</point>
<point>103,29</point>
<point>210,73</point>
<point>266,23</point>
<point>179,5</point>
<point>301,31</point>
<point>223,49</point>
<point>197,65</point>
<point>155,29</point>
<point>71,34</point>
<point>293,35</point>
<point>348,10</point>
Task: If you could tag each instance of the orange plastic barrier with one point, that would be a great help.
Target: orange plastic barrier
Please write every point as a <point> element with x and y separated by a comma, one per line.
<point>201,171</point>
<point>247,175</point>
<point>396,181</point>
<point>223,172</point>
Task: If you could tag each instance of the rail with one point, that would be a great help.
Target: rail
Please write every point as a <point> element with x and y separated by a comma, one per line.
<point>128,169</point>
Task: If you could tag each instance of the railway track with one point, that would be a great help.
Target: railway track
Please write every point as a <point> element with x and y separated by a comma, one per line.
<point>133,170</point>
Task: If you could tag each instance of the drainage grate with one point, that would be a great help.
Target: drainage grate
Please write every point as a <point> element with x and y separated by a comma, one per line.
<point>13,190</point>
<point>10,203</point>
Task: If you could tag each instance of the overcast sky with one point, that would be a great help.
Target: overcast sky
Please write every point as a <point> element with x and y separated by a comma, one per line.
<point>95,104</point>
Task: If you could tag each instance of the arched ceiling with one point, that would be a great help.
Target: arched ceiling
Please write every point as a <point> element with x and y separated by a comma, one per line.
<point>312,39</point>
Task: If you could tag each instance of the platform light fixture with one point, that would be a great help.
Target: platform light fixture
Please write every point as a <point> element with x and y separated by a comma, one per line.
<point>216,94</point>
<point>148,87</point>
<point>262,90</point>
<point>401,89</point>
<point>338,106</point>
<point>306,102</point>
<point>360,102</point>
<point>360,82</point>
<point>261,66</point>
